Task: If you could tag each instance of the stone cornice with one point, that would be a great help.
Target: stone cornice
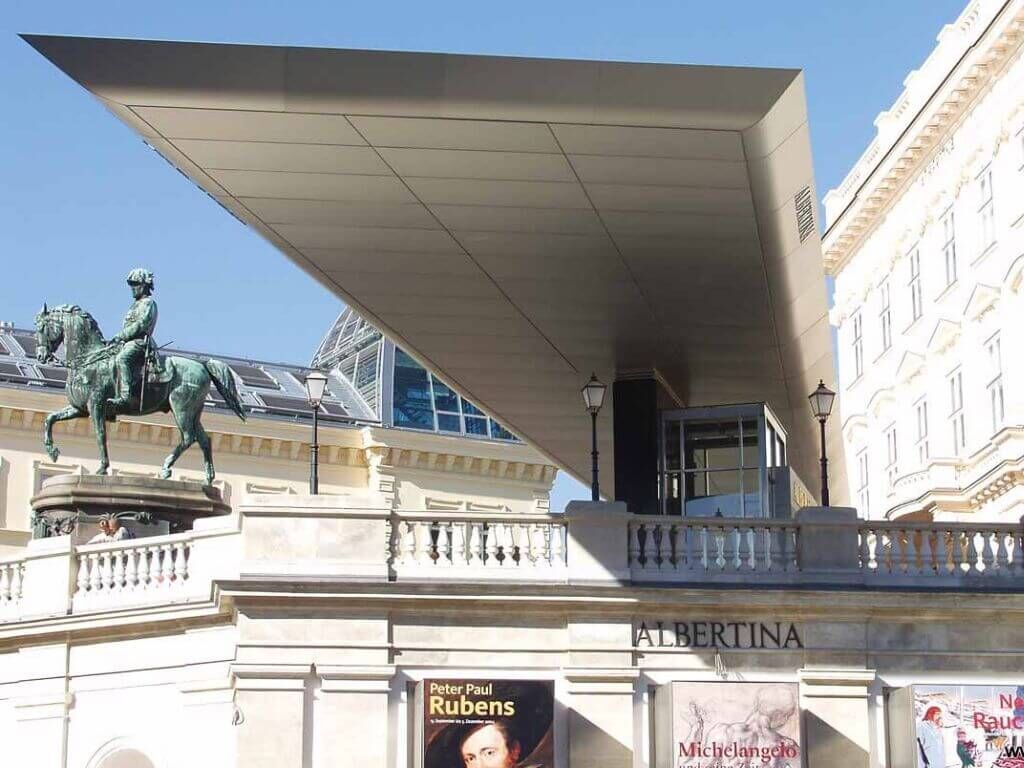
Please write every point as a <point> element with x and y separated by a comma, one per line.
<point>339,446</point>
<point>884,171</point>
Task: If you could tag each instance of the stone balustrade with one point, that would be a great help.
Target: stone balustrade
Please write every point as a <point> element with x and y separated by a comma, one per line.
<point>333,539</point>
<point>134,572</point>
<point>435,545</point>
<point>711,548</point>
<point>940,553</point>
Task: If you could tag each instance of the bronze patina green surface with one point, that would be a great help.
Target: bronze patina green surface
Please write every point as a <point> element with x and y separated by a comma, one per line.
<point>127,376</point>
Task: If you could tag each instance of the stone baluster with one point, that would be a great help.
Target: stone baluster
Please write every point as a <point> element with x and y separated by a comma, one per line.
<point>492,533</point>
<point>546,532</point>
<point>154,567</point>
<point>457,544</point>
<point>926,553</point>
<point>16,581</point>
<point>1002,554</point>
<point>180,562</point>
<point>957,544</point>
<point>422,547</point>
<point>407,531</point>
<point>942,553</point>
<point>752,537</point>
<point>987,556</point>
<point>475,545</point>
<point>5,582</point>
<point>704,533</point>
<point>117,572</point>
<point>106,572</point>
<point>736,534</point>
<point>444,549</point>
<point>973,563</point>
<point>557,545</point>
<point>719,547</point>
<point>633,536</point>
<point>166,565</point>
<point>658,545</point>
<point>94,572</point>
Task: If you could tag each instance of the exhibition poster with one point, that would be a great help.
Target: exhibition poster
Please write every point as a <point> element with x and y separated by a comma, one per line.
<point>736,725</point>
<point>488,723</point>
<point>969,726</point>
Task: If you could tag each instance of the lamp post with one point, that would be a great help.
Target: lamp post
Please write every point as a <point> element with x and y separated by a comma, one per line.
<point>316,383</point>
<point>821,406</point>
<point>593,397</point>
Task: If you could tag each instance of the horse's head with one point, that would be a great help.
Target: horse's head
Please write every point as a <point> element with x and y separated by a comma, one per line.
<point>49,334</point>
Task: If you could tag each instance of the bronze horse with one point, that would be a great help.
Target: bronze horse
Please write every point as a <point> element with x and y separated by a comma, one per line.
<point>91,382</point>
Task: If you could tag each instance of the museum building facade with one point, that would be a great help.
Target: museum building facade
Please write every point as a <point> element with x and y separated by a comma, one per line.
<point>514,224</point>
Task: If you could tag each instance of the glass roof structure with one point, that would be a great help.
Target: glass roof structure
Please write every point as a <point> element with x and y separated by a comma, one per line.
<point>400,391</point>
<point>369,381</point>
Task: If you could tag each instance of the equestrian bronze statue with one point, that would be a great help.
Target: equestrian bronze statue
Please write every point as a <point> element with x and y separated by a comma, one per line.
<point>126,375</point>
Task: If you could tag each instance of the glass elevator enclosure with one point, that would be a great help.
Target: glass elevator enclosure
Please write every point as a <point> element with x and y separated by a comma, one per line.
<point>723,461</point>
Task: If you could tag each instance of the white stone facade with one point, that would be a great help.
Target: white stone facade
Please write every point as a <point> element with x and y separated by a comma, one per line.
<point>925,239</point>
<point>296,632</point>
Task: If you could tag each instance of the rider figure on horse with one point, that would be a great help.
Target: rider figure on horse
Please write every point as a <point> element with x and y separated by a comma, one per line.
<point>137,350</point>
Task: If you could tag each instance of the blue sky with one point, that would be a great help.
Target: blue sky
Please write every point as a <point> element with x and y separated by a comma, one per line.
<point>82,200</point>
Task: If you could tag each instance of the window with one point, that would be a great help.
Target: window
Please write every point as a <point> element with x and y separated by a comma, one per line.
<point>997,404</point>
<point>986,210</point>
<point>891,454</point>
<point>858,347</point>
<point>885,315</point>
<point>413,407</point>
<point>863,495</point>
<point>949,246</point>
<point>716,462</point>
<point>956,411</point>
<point>916,307</point>
<point>921,438</point>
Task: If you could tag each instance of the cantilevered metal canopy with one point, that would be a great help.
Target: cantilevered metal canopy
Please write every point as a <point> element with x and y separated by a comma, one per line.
<point>516,223</point>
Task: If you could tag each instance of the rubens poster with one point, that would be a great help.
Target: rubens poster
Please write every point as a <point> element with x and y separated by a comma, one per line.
<point>736,725</point>
<point>488,723</point>
<point>969,726</point>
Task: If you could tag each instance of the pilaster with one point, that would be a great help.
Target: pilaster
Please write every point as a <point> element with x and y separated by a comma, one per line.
<point>272,714</point>
<point>601,716</point>
<point>353,716</point>
<point>837,727</point>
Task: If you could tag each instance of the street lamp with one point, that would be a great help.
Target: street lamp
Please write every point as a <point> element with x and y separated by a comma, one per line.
<point>316,383</point>
<point>821,406</point>
<point>593,397</point>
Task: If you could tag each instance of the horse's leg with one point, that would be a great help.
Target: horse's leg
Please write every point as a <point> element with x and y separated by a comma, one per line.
<point>97,411</point>
<point>204,442</point>
<point>185,419</point>
<point>65,414</point>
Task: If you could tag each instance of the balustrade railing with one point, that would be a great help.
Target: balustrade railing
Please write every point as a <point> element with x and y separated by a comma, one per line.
<point>900,552</point>
<point>436,545</point>
<point>707,548</point>
<point>12,574</point>
<point>132,571</point>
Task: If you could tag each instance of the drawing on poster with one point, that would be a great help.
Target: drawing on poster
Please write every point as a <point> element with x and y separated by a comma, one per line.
<point>736,725</point>
<point>488,723</point>
<point>969,726</point>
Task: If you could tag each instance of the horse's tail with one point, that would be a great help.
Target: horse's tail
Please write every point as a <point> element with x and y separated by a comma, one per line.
<point>224,381</point>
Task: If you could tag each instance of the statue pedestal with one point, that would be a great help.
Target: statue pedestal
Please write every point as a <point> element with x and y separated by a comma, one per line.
<point>66,501</point>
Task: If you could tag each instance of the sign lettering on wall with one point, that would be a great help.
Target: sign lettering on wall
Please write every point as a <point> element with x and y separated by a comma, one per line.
<point>725,635</point>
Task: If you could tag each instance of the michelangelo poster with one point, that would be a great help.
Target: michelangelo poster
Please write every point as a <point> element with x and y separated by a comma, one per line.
<point>488,723</point>
<point>735,725</point>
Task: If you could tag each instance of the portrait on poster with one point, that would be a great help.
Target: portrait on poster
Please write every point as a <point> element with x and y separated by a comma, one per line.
<point>488,723</point>
<point>735,725</point>
<point>969,726</point>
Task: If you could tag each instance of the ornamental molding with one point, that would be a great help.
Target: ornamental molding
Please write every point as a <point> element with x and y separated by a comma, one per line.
<point>910,366</point>
<point>883,174</point>
<point>944,336</point>
<point>983,299</point>
<point>393,458</point>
